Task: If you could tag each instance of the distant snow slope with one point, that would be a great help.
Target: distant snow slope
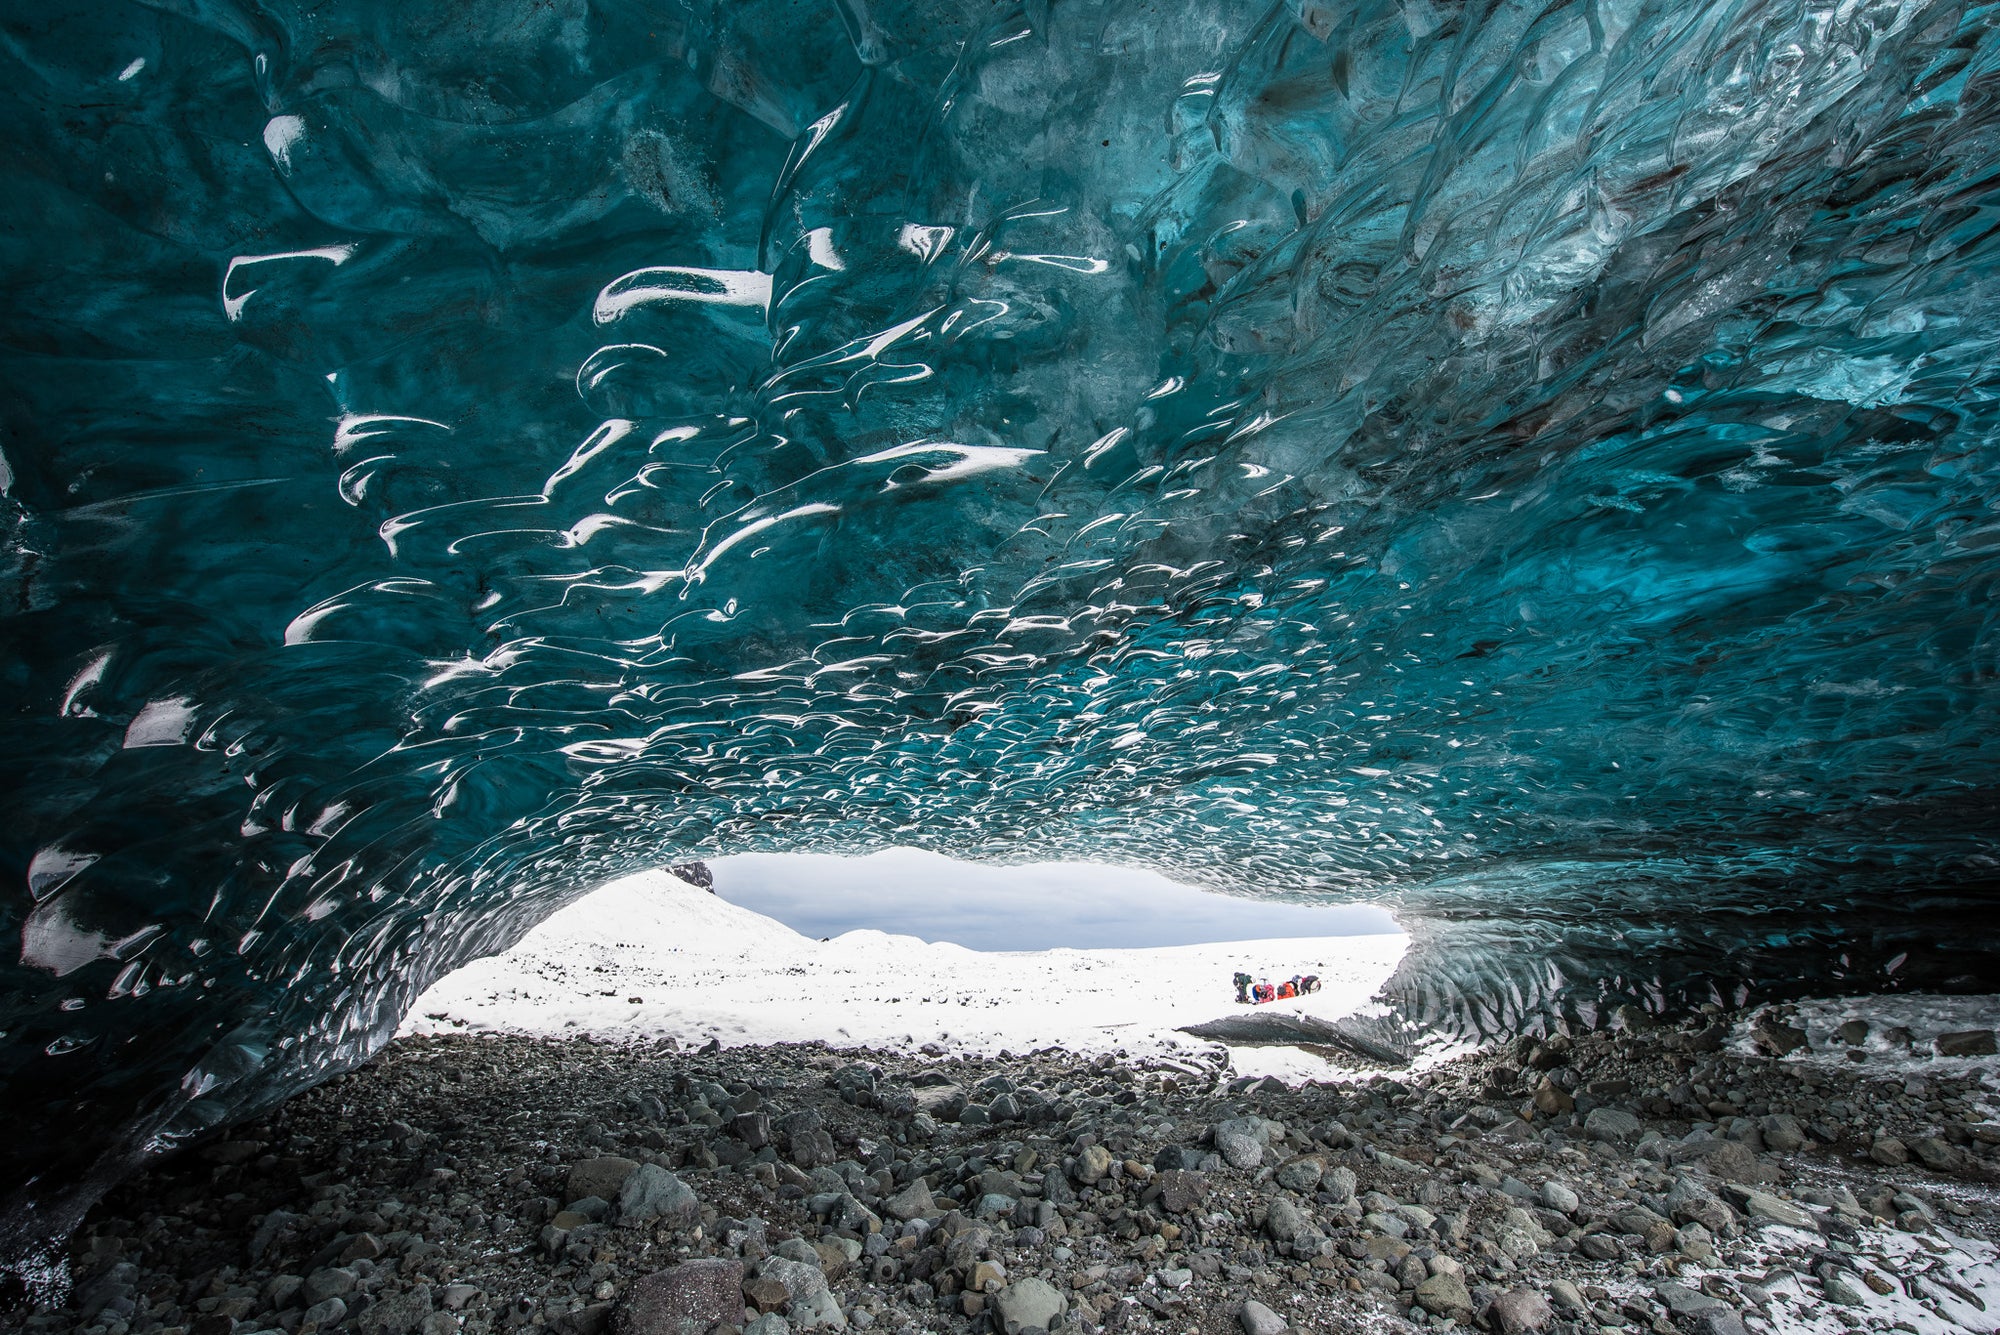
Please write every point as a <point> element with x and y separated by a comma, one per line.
<point>651,955</point>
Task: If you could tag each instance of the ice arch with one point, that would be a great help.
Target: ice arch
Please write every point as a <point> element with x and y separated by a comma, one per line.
<point>1534,460</point>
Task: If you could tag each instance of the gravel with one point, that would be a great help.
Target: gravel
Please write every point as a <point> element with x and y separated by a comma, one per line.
<point>508,1186</point>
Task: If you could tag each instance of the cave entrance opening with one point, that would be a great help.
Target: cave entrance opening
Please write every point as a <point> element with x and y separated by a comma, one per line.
<point>911,951</point>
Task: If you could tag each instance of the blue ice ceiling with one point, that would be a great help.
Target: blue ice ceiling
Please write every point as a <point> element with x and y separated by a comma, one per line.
<point>1536,464</point>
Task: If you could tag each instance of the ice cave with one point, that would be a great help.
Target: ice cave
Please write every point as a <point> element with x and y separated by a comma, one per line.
<point>1536,465</point>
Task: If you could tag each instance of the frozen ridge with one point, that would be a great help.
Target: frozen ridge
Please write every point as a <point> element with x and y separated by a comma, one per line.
<point>650,956</point>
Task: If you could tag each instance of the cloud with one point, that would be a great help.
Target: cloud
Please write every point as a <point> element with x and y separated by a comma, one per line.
<point>1035,907</point>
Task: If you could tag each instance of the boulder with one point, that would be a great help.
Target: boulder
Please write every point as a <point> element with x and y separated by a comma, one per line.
<point>398,1313</point>
<point>1611,1124</point>
<point>801,1279</point>
<point>1182,1190</point>
<point>1965,1043</point>
<point>1257,1319</point>
<point>1559,1197</point>
<point>653,1193</point>
<point>1568,1296</point>
<point>1445,1295</point>
<point>766,1294</point>
<point>1287,1223</point>
<point>601,1177</point>
<point>1718,1321</point>
<point>1552,1100</point>
<point>1520,1312</point>
<point>330,1282</point>
<point>1658,1233</point>
<point>805,1140</point>
<point>1775,1038</point>
<point>1889,1152</point>
<point>752,1128</point>
<point>684,1300</point>
<point>1782,1132</point>
<point>1762,1205</point>
<point>1236,1141</point>
<point>986,1277</point>
<point>326,1313</point>
<point>1685,1302</point>
<point>817,1312</point>
<point>1027,1304</point>
<point>1935,1154</point>
<point>1302,1173</point>
<point>1729,1160</point>
<point>912,1202</point>
<point>1519,1235</point>
<point>1093,1162</point>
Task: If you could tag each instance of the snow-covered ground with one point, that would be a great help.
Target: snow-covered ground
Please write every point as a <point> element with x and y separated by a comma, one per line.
<point>652,956</point>
<point>1935,1283</point>
<point>1901,1031</point>
<point>1930,1283</point>
<point>1899,1042</point>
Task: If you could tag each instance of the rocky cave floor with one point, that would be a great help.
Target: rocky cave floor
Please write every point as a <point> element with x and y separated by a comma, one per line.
<point>1632,1181</point>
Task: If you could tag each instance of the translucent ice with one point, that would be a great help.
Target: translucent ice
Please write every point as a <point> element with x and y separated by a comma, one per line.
<point>1533,463</point>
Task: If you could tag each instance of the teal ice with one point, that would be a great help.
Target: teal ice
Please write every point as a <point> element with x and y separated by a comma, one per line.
<point>1534,465</point>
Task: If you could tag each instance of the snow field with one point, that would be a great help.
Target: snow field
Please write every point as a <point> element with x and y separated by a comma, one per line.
<point>650,956</point>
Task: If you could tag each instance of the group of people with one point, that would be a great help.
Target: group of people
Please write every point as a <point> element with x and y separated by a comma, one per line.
<point>1255,991</point>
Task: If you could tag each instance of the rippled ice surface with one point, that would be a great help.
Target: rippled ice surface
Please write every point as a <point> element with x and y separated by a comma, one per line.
<point>1533,463</point>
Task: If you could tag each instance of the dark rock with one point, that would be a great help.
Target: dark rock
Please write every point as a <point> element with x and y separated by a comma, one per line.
<point>273,1226</point>
<point>590,1319</point>
<point>766,1294</point>
<point>1965,1043</point>
<point>397,1314</point>
<point>1445,1295</point>
<point>1287,1223</point>
<point>912,1202</point>
<point>1934,1153</point>
<point>684,1300</point>
<point>1520,1312</point>
<point>329,1283</point>
<point>654,1193</point>
<point>1600,1247</point>
<point>1782,1132</point>
<point>1027,1304</point>
<point>1182,1190</point>
<point>1775,1038</point>
<point>600,1177</point>
<point>804,1135</point>
<point>1265,1026</point>
<point>1889,1152</point>
<point>695,874</point>
<point>1727,1159</point>
<point>1552,1100</point>
<point>752,1128</point>
<point>1257,1319</point>
<point>1611,1124</point>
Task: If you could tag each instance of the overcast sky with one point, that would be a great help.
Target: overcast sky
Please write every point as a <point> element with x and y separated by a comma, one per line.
<point>1014,908</point>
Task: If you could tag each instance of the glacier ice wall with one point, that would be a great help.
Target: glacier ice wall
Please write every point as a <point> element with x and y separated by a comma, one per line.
<point>1533,462</point>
